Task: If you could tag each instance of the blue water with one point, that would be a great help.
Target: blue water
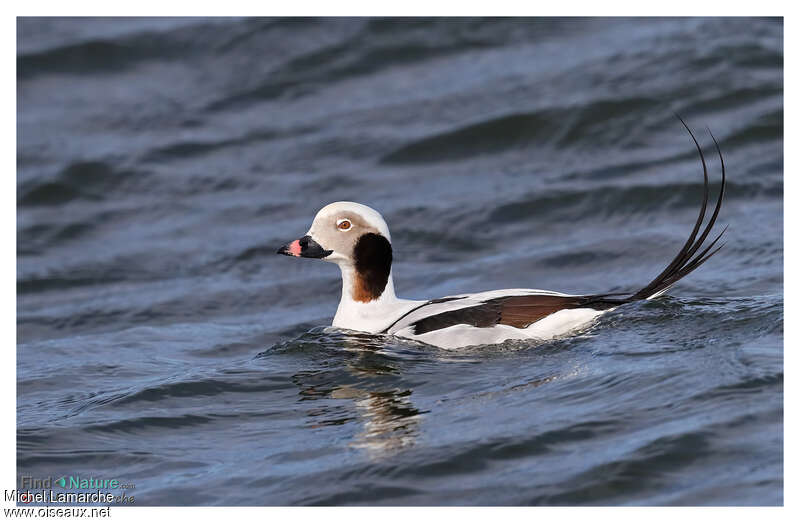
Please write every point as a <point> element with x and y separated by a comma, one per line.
<point>161,162</point>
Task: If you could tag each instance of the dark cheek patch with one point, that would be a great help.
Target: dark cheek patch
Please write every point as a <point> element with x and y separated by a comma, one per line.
<point>373,261</point>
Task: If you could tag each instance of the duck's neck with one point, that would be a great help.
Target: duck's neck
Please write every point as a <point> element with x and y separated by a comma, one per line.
<point>362,308</point>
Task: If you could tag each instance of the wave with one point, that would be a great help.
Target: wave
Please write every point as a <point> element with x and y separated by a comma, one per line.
<point>514,130</point>
<point>565,128</point>
<point>369,45</point>
<point>121,51</point>
<point>637,472</point>
<point>89,180</point>
<point>625,200</point>
<point>186,149</point>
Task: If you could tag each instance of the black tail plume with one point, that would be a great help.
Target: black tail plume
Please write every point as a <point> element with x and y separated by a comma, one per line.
<point>683,263</point>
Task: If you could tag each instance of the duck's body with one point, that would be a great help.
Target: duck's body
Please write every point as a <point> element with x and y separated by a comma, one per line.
<point>490,317</point>
<point>356,238</point>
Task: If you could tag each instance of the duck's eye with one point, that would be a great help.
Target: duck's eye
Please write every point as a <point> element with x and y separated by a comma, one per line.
<point>343,225</point>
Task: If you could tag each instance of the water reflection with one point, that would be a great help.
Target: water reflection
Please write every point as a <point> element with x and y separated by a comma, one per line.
<point>358,387</point>
<point>390,422</point>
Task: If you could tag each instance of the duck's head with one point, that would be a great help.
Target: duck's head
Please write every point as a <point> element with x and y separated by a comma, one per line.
<point>355,237</point>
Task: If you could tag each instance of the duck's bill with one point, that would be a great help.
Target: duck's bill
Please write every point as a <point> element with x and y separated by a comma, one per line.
<point>305,247</point>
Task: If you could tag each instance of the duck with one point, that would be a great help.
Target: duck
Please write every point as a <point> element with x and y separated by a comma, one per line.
<point>356,238</point>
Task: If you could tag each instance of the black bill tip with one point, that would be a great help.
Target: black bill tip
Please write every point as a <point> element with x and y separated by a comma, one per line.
<point>305,247</point>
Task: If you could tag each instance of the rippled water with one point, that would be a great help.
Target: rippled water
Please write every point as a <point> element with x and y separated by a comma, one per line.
<point>161,162</point>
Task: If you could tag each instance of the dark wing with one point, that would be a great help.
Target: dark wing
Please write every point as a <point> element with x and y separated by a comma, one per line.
<point>516,311</point>
<point>521,311</point>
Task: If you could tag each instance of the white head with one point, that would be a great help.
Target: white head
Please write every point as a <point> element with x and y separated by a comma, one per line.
<point>356,238</point>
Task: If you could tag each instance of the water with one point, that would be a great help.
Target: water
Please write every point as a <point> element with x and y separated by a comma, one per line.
<point>163,343</point>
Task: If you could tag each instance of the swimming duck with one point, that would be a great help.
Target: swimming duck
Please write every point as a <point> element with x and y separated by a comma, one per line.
<point>357,239</point>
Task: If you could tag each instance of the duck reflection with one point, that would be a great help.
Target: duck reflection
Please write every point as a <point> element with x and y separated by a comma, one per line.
<point>390,422</point>
<point>359,389</point>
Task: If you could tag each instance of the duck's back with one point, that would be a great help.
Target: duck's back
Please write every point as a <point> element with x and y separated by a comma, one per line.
<point>496,316</point>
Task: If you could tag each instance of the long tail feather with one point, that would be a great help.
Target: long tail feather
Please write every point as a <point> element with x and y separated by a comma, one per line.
<point>686,261</point>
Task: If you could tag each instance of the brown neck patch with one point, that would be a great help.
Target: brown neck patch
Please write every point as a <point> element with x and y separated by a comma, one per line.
<point>373,260</point>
